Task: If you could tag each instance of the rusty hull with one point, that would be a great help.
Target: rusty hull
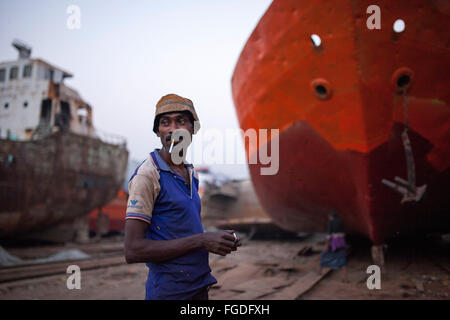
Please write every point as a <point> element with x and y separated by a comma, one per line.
<point>56,179</point>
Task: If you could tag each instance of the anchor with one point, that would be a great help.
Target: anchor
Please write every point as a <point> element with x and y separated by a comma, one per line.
<point>408,189</point>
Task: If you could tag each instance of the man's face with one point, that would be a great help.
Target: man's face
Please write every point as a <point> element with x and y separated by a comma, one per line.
<point>169,122</point>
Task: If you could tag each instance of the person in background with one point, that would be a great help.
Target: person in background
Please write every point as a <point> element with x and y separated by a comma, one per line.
<point>335,254</point>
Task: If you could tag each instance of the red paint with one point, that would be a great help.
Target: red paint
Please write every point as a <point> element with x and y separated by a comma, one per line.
<point>334,151</point>
<point>115,209</point>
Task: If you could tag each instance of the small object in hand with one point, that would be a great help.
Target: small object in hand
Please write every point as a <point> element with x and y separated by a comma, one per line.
<point>235,237</point>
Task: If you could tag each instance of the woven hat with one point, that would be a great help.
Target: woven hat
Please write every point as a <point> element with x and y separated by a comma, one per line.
<point>175,103</point>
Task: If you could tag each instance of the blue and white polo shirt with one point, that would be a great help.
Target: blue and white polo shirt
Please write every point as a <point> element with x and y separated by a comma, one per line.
<point>162,198</point>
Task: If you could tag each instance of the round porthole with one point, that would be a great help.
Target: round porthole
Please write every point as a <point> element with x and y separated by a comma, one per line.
<point>316,41</point>
<point>322,89</point>
<point>402,78</point>
<point>399,25</point>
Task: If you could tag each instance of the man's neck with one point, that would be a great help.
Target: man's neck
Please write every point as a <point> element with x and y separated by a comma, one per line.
<point>168,159</point>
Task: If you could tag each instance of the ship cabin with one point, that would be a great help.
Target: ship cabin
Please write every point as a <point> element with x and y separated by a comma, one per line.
<point>34,101</point>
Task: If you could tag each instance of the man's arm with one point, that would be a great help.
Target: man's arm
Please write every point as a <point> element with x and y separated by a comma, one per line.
<point>140,249</point>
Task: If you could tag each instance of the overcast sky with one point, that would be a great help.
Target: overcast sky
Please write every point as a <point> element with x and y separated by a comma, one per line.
<point>127,54</point>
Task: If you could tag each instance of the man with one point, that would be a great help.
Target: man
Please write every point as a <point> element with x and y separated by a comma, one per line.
<point>163,226</point>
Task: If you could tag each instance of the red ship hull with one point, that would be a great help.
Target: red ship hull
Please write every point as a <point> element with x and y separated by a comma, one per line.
<point>114,210</point>
<point>335,149</point>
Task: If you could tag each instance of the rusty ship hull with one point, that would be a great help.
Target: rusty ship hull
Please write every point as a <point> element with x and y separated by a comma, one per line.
<point>56,179</point>
<point>341,108</point>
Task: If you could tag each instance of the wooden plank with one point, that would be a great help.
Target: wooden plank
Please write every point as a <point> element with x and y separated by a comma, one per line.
<point>32,281</point>
<point>45,251</point>
<point>57,268</point>
<point>299,287</point>
<point>243,272</point>
<point>256,288</point>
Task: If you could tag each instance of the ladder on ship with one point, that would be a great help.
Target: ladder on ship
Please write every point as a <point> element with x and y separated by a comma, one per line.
<point>41,130</point>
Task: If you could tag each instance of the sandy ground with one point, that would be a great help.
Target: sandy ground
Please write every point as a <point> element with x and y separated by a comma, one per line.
<point>263,269</point>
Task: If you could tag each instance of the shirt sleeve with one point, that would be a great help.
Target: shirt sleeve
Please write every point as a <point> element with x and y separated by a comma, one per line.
<point>142,196</point>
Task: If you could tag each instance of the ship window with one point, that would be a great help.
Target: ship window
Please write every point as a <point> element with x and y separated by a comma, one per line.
<point>45,73</point>
<point>27,71</point>
<point>13,73</point>
<point>316,40</point>
<point>321,90</point>
<point>6,105</point>
<point>62,119</point>
<point>2,75</point>
<point>399,25</point>
<point>65,109</point>
<point>46,109</point>
<point>25,104</point>
<point>403,81</point>
<point>50,74</point>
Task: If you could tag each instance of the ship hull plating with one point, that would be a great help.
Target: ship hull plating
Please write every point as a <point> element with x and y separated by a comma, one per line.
<point>314,178</point>
<point>341,107</point>
<point>55,180</point>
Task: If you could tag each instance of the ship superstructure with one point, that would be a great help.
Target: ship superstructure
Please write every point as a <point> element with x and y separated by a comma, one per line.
<point>55,167</point>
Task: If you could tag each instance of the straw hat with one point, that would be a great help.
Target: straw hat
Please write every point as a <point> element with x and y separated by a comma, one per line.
<point>175,103</point>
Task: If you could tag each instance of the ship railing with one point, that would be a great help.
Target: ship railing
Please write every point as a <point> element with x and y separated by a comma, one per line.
<point>111,138</point>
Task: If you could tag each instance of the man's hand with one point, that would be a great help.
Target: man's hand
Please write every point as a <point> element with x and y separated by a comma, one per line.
<point>220,242</point>
<point>140,249</point>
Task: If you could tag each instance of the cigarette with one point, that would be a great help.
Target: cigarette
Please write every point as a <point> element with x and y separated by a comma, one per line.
<point>171,145</point>
<point>235,237</point>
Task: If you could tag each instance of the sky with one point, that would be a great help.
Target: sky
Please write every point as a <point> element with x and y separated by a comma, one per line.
<point>127,54</point>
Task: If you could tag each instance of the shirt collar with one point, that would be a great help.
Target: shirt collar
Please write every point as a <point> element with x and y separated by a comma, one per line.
<point>163,165</point>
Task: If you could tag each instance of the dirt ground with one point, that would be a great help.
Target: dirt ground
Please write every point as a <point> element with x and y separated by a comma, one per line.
<point>266,269</point>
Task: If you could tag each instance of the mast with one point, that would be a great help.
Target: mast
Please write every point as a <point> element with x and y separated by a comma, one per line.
<point>23,48</point>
